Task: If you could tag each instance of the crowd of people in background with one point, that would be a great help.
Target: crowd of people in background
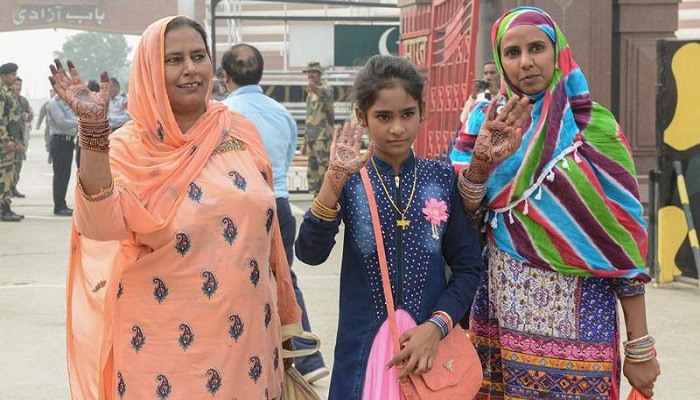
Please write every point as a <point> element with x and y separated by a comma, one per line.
<point>531,145</point>
<point>60,131</point>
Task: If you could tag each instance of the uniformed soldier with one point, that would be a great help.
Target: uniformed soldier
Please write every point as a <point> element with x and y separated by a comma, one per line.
<point>26,117</point>
<point>9,142</point>
<point>319,126</point>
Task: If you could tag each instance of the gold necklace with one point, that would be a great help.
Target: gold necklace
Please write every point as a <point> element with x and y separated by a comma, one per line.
<point>402,223</point>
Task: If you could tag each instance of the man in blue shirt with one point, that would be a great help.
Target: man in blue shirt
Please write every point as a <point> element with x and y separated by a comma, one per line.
<point>243,68</point>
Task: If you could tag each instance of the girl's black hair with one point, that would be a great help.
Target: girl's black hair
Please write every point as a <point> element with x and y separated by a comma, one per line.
<point>179,22</point>
<point>386,72</point>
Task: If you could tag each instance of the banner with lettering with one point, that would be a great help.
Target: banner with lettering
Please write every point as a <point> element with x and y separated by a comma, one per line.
<point>125,16</point>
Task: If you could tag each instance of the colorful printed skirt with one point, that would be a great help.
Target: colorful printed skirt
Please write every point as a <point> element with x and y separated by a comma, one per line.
<point>544,335</point>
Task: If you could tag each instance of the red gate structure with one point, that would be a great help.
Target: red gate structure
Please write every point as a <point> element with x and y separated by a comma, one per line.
<point>440,36</point>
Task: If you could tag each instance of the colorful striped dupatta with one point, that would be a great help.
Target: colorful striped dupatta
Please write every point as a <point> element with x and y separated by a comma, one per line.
<point>568,199</point>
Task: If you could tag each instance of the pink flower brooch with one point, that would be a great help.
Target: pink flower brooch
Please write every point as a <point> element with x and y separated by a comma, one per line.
<point>436,213</point>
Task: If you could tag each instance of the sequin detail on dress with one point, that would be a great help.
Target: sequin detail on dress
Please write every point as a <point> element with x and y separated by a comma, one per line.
<point>233,144</point>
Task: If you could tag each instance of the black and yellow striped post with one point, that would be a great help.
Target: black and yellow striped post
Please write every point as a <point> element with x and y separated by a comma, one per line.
<point>685,202</point>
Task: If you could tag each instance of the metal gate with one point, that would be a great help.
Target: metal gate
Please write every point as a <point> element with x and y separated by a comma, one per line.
<point>441,38</point>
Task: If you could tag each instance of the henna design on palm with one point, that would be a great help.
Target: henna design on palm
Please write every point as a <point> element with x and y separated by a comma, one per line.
<point>345,154</point>
<point>500,136</point>
<point>87,105</point>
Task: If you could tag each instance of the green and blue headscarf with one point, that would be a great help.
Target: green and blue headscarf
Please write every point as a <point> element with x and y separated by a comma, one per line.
<point>568,199</point>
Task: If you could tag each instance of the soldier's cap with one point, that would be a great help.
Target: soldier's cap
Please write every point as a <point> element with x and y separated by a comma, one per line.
<point>8,68</point>
<point>313,66</point>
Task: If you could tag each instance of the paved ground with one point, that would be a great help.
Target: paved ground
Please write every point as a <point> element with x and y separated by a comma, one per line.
<point>33,257</point>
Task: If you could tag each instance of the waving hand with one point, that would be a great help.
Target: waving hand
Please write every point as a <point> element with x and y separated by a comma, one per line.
<point>87,105</point>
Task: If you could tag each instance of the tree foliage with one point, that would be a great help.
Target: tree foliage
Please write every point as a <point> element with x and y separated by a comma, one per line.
<point>94,52</point>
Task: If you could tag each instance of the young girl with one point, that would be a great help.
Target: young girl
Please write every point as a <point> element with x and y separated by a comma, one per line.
<point>423,227</point>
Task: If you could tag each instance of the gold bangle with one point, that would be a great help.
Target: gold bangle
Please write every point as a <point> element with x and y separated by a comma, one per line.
<point>324,213</point>
<point>642,358</point>
<point>99,196</point>
<point>326,209</point>
<point>637,340</point>
<point>319,216</point>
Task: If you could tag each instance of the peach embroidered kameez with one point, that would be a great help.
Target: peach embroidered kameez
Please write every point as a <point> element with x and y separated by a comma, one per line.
<point>178,286</point>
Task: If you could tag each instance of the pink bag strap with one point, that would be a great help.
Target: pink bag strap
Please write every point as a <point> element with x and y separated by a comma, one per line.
<point>381,254</point>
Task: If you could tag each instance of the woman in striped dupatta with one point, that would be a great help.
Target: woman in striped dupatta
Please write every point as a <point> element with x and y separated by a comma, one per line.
<point>557,184</point>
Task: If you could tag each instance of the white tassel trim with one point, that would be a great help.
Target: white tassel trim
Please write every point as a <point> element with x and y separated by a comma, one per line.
<point>547,174</point>
<point>576,156</point>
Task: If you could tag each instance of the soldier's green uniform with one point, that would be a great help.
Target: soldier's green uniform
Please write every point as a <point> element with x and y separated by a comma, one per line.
<point>320,117</point>
<point>10,131</point>
<point>22,140</point>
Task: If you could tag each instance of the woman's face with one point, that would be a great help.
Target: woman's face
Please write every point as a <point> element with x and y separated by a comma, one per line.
<point>527,57</point>
<point>392,121</point>
<point>188,71</point>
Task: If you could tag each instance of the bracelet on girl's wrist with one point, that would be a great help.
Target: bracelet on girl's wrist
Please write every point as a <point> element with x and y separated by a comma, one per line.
<point>443,321</point>
<point>324,213</point>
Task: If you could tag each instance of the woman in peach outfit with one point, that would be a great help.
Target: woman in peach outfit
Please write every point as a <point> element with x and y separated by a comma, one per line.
<point>178,286</point>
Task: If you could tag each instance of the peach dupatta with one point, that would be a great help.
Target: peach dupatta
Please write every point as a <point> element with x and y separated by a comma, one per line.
<point>152,164</point>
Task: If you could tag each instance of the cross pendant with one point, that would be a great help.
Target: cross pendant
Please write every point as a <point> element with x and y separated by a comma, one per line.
<point>403,223</point>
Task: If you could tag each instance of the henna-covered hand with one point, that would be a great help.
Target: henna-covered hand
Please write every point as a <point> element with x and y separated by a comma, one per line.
<point>88,105</point>
<point>345,154</point>
<point>345,159</point>
<point>500,136</point>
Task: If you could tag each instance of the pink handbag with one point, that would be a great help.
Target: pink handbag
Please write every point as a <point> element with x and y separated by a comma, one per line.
<point>456,372</point>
